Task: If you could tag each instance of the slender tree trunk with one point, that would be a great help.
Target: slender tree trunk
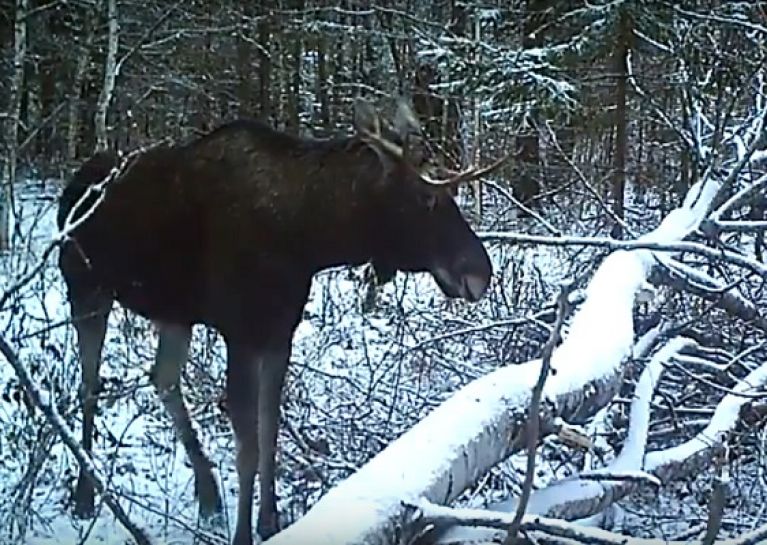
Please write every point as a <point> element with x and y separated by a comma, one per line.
<point>528,186</point>
<point>322,81</point>
<point>81,68</point>
<point>110,76</point>
<point>639,158</point>
<point>477,185</point>
<point>339,78</point>
<point>244,64</point>
<point>48,75</point>
<point>621,120</point>
<point>295,84</point>
<point>12,121</point>
<point>279,44</point>
<point>265,62</point>
<point>294,53</point>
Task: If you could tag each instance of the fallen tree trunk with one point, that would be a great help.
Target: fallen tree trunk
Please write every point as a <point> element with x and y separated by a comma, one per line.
<point>587,494</point>
<point>546,530</point>
<point>484,423</point>
<point>441,456</point>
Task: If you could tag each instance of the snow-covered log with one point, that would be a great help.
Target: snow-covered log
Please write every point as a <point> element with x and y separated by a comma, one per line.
<point>547,530</point>
<point>484,422</point>
<point>582,496</point>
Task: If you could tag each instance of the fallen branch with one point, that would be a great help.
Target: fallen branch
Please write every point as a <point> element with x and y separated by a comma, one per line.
<point>486,418</point>
<point>544,527</point>
<point>55,420</point>
<point>533,420</point>
<point>639,244</point>
<point>684,278</point>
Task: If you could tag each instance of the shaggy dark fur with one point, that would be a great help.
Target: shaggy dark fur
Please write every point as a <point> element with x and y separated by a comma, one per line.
<point>228,231</point>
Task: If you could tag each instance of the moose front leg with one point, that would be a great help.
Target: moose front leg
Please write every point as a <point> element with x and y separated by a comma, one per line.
<point>272,376</point>
<point>242,399</point>
<point>254,384</point>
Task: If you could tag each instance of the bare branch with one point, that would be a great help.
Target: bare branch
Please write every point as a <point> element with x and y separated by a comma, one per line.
<point>57,423</point>
<point>71,224</point>
<point>533,419</point>
<point>683,278</point>
<point>429,513</point>
<point>716,505</point>
<point>614,244</point>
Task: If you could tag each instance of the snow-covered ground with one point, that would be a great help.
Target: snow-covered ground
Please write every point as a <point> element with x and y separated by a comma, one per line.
<point>358,379</point>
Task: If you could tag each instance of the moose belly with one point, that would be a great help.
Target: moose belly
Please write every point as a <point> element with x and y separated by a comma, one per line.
<point>171,301</point>
<point>160,286</point>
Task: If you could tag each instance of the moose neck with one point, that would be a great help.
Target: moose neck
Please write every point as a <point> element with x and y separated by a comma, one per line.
<point>338,215</point>
<point>317,200</point>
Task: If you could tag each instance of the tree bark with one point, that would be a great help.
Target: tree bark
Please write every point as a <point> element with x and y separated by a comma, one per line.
<point>322,81</point>
<point>244,64</point>
<point>265,62</point>
<point>477,184</point>
<point>293,52</point>
<point>11,128</point>
<point>81,69</point>
<point>110,76</point>
<point>621,119</point>
<point>527,186</point>
<point>48,76</point>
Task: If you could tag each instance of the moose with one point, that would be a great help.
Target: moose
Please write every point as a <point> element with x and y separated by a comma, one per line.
<point>227,230</point>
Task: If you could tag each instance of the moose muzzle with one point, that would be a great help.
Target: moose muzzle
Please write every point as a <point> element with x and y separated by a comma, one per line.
<point>467,278</point>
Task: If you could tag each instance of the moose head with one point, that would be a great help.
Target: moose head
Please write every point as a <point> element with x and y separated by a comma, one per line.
<point>419,226</point>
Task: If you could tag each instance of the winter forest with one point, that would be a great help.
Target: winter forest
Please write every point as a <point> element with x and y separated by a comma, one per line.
<point>609,387</point>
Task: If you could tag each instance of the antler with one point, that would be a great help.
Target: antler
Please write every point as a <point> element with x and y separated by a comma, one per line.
<point>471,173</point>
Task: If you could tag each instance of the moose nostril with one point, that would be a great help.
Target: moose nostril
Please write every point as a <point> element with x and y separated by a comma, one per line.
<point>475,286</point>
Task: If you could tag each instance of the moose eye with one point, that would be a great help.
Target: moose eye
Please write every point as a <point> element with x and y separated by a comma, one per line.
<point>428,201</point>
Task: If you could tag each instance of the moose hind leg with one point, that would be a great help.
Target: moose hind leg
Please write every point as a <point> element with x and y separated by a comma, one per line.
<point>172,353</point>
<point>271,379</point>
<point>90,312</point>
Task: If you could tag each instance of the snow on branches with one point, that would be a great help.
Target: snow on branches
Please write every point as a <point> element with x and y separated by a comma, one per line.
<point>484,422</point>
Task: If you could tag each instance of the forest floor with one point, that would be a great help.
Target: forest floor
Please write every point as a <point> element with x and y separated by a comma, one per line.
<point>358,379</point>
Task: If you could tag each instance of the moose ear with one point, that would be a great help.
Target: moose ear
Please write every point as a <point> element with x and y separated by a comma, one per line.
<point>409,130</point>
<point>366,119</point>
<point>405,121</point>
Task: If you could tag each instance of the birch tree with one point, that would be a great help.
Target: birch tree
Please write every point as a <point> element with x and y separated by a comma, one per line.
<point>110,76</point>
<point>12,118</point>
<point>82,64</point>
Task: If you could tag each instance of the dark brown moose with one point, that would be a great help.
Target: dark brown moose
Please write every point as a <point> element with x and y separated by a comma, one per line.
<point>227,231</point>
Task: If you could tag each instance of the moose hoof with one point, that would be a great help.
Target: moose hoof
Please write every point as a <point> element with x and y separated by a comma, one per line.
<point>84,504</point>
<point>206,490</point>
<point>84,510</point>
<point>266,530</point>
